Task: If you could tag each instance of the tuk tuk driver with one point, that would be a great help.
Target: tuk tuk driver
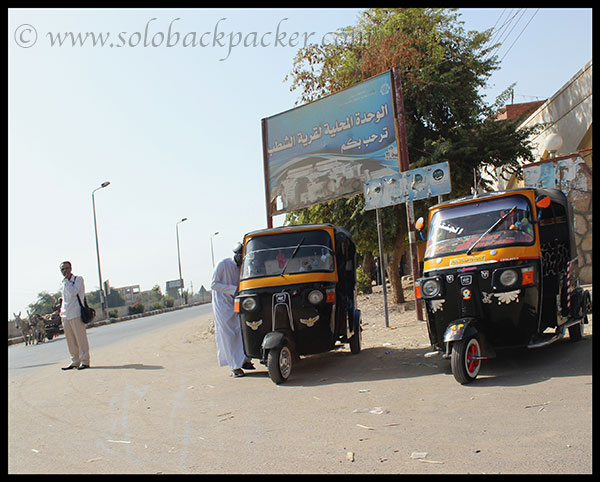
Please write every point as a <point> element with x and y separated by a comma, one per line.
<point>228,333</point>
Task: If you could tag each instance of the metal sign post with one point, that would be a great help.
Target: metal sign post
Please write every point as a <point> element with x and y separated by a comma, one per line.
<point>406,187</point>
<point>382,266</point>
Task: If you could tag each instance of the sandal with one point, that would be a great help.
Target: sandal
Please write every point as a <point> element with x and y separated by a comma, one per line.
<point>237,372</point>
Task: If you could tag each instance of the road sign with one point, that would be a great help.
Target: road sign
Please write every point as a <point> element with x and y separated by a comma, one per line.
<point>420,183</point>
<point>174,284</point>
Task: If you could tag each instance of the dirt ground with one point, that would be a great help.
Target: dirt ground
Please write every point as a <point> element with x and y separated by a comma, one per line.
<point>404,328</point>
<point>160,404</point>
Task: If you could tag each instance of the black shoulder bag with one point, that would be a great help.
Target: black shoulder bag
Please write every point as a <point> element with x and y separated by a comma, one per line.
<point>87,313</point>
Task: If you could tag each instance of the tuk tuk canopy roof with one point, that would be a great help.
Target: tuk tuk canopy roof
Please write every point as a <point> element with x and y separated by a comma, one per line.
<point>556,195</point>
<point>338,231</point>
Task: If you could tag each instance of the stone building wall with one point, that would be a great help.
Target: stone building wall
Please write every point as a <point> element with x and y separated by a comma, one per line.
<point>582,206</point>
<point>573,176</point>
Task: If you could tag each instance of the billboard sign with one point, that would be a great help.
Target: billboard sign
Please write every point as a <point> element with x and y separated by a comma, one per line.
<point>174,284</point>
<point>328,148</point>
<point>412,185</point>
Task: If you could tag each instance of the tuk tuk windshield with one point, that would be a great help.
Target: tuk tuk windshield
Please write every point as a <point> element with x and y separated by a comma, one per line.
<point>455,229</point>
<point>297,252</point>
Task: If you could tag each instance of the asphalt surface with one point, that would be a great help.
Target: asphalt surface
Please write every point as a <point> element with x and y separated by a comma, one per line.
<point>158,403</point>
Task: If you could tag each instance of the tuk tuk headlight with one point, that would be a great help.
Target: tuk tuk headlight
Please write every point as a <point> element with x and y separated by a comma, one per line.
<point>509,277</point>
<point>315,297</point>
<point>430,287</point>
<point>249,304</point>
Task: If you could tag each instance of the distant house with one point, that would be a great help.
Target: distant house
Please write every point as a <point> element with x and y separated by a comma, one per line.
<point>203,295</point>
<point>130,294</point>
<point>511,111</point>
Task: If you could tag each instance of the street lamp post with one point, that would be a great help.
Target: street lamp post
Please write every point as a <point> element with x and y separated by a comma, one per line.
<point>179,258</point>
<point>102,299</point>
<point>212,254</point>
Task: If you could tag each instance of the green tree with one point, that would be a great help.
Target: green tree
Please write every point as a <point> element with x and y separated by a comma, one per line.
<point>45,303</point>
<point>444,69</point>
<point>153,296</point>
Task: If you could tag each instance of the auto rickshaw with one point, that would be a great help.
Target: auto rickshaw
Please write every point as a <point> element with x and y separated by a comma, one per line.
<point>500,270</point>
<point>296,294</point>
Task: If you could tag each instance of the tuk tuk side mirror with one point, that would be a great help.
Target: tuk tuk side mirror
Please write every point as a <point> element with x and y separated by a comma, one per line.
<point>419,224</point>
<point>542,202</point>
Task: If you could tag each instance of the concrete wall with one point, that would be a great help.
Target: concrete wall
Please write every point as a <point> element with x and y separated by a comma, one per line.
<point>568,113</point>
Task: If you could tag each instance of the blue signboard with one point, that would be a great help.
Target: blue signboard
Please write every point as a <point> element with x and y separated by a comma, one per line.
<point>328,148</point>
<point>412,185</point>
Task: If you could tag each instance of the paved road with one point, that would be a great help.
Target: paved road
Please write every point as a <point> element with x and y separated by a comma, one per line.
<point>158,403</point>
<point>22,359</point>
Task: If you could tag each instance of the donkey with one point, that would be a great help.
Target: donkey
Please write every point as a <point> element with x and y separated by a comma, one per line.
<point>38,324</point>
<point>25,328</point>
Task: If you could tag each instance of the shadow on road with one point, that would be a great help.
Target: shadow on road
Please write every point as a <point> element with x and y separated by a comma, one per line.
<point>131,366</point>
<point>512,367</point>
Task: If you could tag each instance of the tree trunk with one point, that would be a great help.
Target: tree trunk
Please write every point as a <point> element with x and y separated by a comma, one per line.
<point>397,293</point>
<point>367,267</point>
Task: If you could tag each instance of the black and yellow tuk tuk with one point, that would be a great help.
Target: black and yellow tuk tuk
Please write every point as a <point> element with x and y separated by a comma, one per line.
<point>296,294</point>
<point>500,270</point>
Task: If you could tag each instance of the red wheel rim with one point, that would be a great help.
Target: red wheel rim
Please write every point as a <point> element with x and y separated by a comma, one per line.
<point>472,362</point>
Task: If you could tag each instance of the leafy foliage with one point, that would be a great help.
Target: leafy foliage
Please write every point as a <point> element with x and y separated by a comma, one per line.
<point>136,308</point>
<point>444,68</point>
<point>45,303</point>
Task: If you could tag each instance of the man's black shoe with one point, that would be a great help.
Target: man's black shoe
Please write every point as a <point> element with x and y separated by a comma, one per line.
<point>70,367</point>
<point>82,367</point>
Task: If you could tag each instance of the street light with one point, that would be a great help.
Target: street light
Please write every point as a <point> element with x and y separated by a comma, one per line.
<point>102,300</point>
<point>212,254</point>
<point>178,257</point>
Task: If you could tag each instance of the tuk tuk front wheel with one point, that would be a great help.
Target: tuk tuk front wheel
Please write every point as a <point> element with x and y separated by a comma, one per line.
<point>465,360</point>
<point>279,364</point>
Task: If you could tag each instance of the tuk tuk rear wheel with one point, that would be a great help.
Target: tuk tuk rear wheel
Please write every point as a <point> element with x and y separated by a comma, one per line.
<point>464,360</point>
<point>356,342</point>
<point>356,339</point>
<point>279,364</point>
<point>576,331</point>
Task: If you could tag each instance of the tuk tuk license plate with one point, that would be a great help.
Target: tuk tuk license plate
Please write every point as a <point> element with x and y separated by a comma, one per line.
<point>466,260</point>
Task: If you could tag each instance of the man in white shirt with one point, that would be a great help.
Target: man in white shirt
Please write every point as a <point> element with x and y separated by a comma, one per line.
<point>228,333</point>
<point>70,314</point>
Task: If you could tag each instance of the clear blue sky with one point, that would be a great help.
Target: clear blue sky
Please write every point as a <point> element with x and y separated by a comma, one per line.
<point>176,128</point>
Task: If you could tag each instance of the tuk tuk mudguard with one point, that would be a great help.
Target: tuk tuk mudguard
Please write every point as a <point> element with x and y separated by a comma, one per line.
<point>273,339</point>
<point>465,328</point>
<point>460,329</point>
